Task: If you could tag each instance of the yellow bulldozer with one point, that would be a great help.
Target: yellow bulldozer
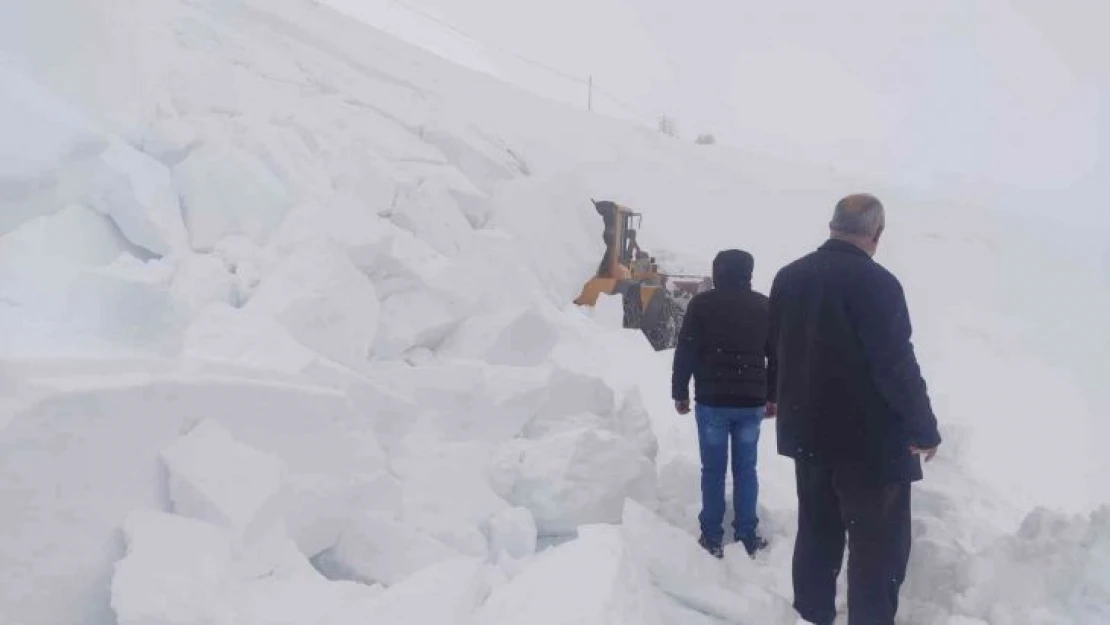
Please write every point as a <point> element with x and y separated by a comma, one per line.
<point>654,301</point>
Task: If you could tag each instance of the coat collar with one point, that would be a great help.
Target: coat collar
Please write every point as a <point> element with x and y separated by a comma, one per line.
<point>836,245</point>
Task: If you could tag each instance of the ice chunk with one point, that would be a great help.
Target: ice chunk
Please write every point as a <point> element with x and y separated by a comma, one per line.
<point>175,572</point>
<point>577,400</point>
<point>232,335</point>
<point>200,280</point>
<point>180,571</point>
<point>429,211</point>
<point>519,338</point>
<point>472,401</point>
<point>1056,569</point>
<point>226,191</point>
<point>682,570</point>
<point>137,193</point>
<point>444,593</point>
<point>446,490</point>
<point>391,413</point>
<point>377,547</point>
<point>419,318</point>
<point>398,261</point>
<point>217,479</point>
<point>42,256</point>
<point>634,423</point>
<point>128,303</point>
<point>324,302</point>
<point>592,580</point>
<point>574,478</point>
<point>513,532</point>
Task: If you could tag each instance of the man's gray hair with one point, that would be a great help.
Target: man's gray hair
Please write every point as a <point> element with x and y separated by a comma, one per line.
<point>858,215</point>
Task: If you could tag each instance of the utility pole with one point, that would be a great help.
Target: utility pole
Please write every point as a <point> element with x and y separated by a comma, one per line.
<point>590,94</point>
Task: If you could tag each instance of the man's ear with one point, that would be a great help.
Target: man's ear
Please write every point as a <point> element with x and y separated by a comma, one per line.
<point>878,234</point>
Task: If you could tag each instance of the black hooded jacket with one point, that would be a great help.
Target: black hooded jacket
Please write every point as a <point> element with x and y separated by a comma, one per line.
<point>723,343</point>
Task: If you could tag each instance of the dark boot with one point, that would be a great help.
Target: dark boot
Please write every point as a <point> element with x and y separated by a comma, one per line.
<point>712,548</point>
<point>753,543</point>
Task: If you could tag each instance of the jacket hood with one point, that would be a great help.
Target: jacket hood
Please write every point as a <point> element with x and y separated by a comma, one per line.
<point>732,269</point>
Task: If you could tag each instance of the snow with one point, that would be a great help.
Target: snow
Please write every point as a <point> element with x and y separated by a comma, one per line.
<point>268,273</point>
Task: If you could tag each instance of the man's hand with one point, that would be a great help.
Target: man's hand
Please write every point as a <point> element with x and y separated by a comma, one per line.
<point>682,406</point>
<point>771,411</point>
<point>929,454</point>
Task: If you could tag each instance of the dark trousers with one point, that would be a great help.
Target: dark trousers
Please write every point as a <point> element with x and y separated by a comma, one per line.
<point>876,519</point>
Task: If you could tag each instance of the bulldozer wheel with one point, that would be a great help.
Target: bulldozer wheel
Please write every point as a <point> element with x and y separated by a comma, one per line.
<point>662,320</point>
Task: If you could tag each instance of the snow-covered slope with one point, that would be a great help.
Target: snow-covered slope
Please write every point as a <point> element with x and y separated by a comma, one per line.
<point>286,338</point>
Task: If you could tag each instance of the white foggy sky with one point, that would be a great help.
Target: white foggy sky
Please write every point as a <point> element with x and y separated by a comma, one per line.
<point>949,94</point>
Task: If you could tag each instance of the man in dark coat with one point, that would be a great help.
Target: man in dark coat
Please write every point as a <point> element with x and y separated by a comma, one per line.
<point>723,344</point>
<point>854,415</point>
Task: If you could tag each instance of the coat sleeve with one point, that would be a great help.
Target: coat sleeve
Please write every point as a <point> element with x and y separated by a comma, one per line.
<point>772,345</point>
<point>686,353</point>
<point>884,329</point>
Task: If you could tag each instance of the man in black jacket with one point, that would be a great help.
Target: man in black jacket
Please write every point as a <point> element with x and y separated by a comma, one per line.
<point>853,414</point>
<point>723,345</point>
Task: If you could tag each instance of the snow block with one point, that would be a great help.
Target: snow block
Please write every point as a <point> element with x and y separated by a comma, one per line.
<point>379,548</point>
<point>445,593</point>
<point>1056,569</point>
<point>512,532</point>
<point>42,256</point>
<point>324,302</point>
<point>430,212</point>
<point>634,423</point>
<point>180,571</point>
<point>200,280</point>
<point>137,192</point>
<point>577,400</point>
<point>517,338</point>
<point>592,580</point>
<point>412,319</point>
<point>226,191</point>
<point>397,261</point>
<point>175,572</point>
<point>447,493</point>
<point>391,413</point>
<point>77,460</point>
<point>214,478</point>
<point>573,478</point>
<point>128,303</point>
<point>681,569</point>
<point>471,401</point>
<point>234,336</point>
<point>488,277</point>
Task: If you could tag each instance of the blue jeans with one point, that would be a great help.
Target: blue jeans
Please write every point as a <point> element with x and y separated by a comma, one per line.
<point>716,427</point>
